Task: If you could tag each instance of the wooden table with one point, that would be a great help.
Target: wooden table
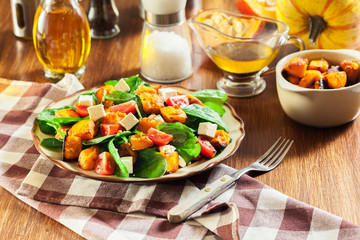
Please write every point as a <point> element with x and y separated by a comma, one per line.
<point>322,168</point>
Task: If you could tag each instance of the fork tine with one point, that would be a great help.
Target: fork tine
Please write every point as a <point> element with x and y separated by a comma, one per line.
<point>269,151</point>
<point>276,160</point>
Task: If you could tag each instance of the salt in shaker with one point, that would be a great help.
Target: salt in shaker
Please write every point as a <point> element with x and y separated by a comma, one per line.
<point>165,53</point>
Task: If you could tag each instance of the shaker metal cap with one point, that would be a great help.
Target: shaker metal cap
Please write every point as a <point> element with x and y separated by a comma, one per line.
<point>164,12</point>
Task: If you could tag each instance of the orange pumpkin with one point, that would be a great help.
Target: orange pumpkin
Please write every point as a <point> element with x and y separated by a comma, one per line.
<point>328,24</point>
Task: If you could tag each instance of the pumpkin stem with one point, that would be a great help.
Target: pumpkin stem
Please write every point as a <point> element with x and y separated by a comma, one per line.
<point>317,25</point>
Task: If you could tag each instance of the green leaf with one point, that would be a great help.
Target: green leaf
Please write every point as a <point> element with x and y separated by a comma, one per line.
<point>120,169</point>
<point>52,144</point>
<point>46,128</point>
<point>49,114</point>
<point>120,97</point>
<point>217,108</point>
<point>105,139</point>
<point>197,114</point>
<point>184,140</point>
<point>149,164</point>
<point>211,95</point>
<point>133,82</point>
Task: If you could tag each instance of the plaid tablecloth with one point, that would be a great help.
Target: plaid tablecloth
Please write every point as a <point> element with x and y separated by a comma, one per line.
<point>105,210</point>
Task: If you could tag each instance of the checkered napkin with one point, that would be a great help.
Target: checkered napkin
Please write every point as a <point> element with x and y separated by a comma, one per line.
<point>106,210</point>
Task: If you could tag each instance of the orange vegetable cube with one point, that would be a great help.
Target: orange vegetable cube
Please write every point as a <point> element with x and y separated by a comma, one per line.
<point>311,76</point>
<point>220,140</point>
<point>72,147</point>
<point>151,102</point>
<point>297,67</point>
<point>139,142</point>
<point>294,80</point>
<point>88,157</point>
<point>171,157</point>
<point>336,80</point>
<point>84,129</point>
<point>351,69</point>
<point>321,65</point>
<point>101,92</point>
<point>113,118</point>
<point>68,112</point>
<point>149,122</point>
<point>144,89</point>
<point>173,114</point>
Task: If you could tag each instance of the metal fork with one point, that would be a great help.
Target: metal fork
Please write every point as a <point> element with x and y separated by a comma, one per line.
<point>271,159</point>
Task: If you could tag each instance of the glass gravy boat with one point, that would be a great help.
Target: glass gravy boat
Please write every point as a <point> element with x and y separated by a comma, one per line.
<point>242,46</point>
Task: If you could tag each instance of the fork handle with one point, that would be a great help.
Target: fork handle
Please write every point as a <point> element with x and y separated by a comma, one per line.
<point>199,199</point>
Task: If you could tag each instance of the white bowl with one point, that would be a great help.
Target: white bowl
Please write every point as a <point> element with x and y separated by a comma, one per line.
<point>319,107</point>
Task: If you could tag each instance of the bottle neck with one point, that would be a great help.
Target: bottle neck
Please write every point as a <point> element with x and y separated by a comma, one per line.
<point>165,19</point>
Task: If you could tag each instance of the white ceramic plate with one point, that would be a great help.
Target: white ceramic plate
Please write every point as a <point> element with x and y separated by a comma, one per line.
<point>233,121</point>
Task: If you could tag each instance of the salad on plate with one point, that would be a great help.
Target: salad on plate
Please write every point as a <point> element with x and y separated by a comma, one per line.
<point>128,128</point>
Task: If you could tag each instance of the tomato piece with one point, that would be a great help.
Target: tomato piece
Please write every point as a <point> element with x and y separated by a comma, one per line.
<point>180,100</point>
<point>207,150</point>
<point>105,164</point>
<point>81,110</point>
<point>158,137</point>
<point>109,129</point>
<point>127,107</point>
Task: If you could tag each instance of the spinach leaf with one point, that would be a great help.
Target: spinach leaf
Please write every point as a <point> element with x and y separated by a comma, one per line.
<point>49,114</point>
<point>149,164</point>
<point>105,139</point>
<point>217,108</point>
<point>211,95</point>
<point>63,121</point>
<point>120,97</point>
<point>197,114</point>
<point>52,144</point>
<point>46,128</point>
<point>133,82</point>
<point>120,169</point>
<point>184,140</point>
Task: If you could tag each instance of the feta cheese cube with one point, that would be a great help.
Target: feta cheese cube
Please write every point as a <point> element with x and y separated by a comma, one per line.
<point>167,148</point>
<point>86,100</point>
<point>128,162</point>
<point>207,129</point>
<point>122,86</point>
<point>165,93</point>
<point>96,112</point>
<point>129,121</point>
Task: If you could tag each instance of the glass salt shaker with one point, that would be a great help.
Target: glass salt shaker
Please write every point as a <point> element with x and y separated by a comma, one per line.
<point>166,49</point>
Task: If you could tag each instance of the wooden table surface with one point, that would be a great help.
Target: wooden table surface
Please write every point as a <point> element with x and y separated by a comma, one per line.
<point>322,168</point>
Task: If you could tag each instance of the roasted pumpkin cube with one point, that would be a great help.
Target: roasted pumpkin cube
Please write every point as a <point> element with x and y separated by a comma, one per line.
<point>88,157</point>
<point>72,147</point>
<point>63,129</point>
<point>194,100</point>
<point>351,69</point>
<point>113,118</point>
<point>151,102</point>
<point>84,129</point>
<point>294,80</point>
<point>125,150</point>
<point>139,142</point>
<point>101,92</point>
<point>173,114</point>
<point>67,112</point>
<point>321,65</point>
<point>311,76</point>
<point>336,80</point>
<point>149,122</point>
<point>144,89</point>
<point>171,158</point>
<point>297,67</point>
<point>220,140</point>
